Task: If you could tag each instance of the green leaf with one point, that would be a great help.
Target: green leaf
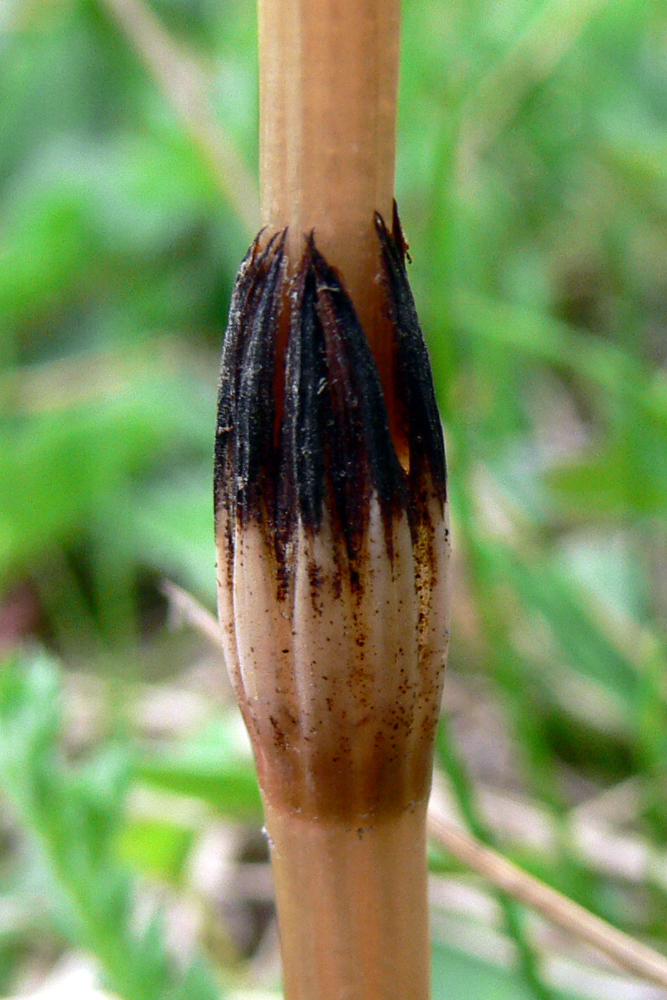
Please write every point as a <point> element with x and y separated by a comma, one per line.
<point>73,817</point>
<point>156,847</point>
<point>613,481</point>
<point>544,590</point>
<point>466,977</point>
<point>215,767</point>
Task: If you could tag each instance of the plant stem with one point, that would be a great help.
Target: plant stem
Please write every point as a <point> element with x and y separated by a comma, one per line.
<point>344,766</point>
<point>352,907</point>
<point>328,88</point>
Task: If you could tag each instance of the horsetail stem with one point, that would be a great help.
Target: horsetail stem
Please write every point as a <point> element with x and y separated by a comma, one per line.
<point>331,512</point>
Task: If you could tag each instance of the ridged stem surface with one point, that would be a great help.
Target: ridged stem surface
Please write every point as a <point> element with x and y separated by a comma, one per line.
<point>352,907</point>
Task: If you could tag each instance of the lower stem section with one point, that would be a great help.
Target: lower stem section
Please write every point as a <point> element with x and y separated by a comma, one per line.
<point>352,907</point>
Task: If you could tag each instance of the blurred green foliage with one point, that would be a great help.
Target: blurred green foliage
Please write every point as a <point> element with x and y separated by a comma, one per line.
<point>74,817</point>
<point>532,180</point>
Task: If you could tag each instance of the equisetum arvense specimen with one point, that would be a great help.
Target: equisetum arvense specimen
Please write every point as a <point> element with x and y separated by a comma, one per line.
<point>331,512</point>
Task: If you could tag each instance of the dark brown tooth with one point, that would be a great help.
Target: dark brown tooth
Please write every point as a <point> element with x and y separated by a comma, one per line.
<point>330,446</point>
<point>365,455</point>
<point>413,368</point>
<point>255,459</point>
<point>229,375</point>
<point>245,452</point>
<point>336,445</point>
<point>307,416</point>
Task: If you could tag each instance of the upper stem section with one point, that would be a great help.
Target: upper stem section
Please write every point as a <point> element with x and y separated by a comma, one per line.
<point>328,89</point>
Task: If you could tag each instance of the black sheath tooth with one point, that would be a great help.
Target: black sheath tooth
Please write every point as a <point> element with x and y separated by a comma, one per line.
<point>414,375</point>
<point>254,460</point>
<point>246,411</point>
<point>363,456</point>
<point>330,446</point>
<point>229,374</point>
<point>307,409</point>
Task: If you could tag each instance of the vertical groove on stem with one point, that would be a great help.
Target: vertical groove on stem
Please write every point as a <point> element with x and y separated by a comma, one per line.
<point>351,906</point>
<point>328,89</point>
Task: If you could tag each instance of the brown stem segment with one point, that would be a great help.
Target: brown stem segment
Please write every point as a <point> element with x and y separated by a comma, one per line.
<point>352,907</point>
<point>328,85</point>
<point>333,597</point>
<point>332,534</point>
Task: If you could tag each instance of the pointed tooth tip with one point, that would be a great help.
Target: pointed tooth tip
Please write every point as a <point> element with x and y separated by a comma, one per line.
<point>313,258</point>
<point>327,277</point>
<point>317,259</point>
<point>272,245</point>
<point>380,225</point>
<point>393,241</point>
<point>275,247</point>
<point>309,250</point>
<point>254,250</point>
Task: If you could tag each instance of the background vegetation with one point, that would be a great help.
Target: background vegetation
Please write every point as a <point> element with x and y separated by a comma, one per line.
<point>532,179</point>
